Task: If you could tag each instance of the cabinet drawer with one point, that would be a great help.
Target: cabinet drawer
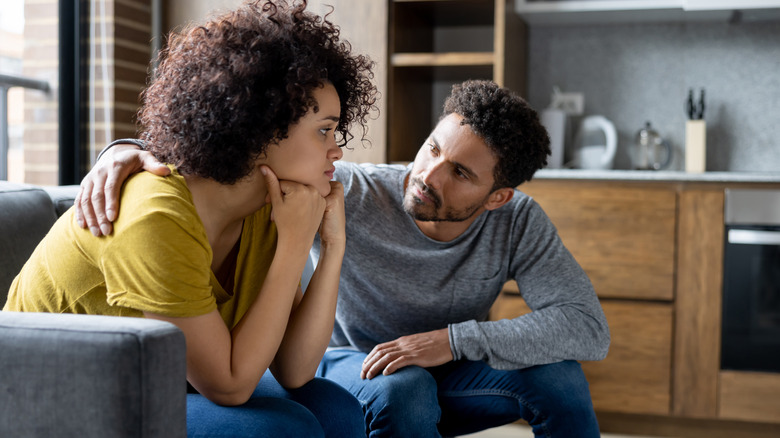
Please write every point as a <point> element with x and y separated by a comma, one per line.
<point>635,377</point>
<point>749,396</point>
<point>623,236</point>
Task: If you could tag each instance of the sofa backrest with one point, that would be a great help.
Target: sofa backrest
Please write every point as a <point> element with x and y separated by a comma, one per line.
<point>27,213</point>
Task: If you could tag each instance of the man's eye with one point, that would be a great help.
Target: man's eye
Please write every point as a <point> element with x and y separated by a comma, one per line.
<point>461,174</point>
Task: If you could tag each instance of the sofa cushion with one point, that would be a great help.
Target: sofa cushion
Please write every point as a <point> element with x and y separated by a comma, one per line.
<point>26,214</point>
<point>62,197</point>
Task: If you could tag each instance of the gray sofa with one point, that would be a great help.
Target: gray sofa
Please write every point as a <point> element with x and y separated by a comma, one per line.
<point>79,375</point>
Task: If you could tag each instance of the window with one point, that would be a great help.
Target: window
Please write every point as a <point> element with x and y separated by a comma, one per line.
<point>93,55</point>
<point>28,39</point>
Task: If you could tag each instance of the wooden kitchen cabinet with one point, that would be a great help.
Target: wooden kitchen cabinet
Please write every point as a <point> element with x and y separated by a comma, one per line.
<point>635,377</point>
<point>623,236</point>
<point>654,252</point>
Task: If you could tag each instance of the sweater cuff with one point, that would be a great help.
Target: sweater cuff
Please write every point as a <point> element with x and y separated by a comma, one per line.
<point>140,143</point>
<point>467,341</point>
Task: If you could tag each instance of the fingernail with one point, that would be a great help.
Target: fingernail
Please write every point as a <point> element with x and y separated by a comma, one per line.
<point>263,171</point>
<point>111,215</point>
<point>95,231</point>
<point>105,229</point>
<point>80,222</point>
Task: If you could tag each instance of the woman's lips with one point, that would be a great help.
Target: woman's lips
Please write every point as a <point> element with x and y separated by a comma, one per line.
<point>330,173</point>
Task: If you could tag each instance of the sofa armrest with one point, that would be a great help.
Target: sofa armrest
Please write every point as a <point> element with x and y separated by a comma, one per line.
<point>62,197</point>
<point>91,376</point>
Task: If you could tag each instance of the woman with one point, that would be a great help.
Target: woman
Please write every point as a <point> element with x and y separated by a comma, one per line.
<point>245,109</point>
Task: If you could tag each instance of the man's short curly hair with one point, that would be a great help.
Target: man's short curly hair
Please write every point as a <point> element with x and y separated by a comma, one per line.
<point>508,125</point>
<point>227,89</point>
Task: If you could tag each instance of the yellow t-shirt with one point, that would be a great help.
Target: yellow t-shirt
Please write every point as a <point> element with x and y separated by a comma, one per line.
<point>158,260</point>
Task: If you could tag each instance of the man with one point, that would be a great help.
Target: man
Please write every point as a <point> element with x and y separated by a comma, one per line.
<point>429,247</point>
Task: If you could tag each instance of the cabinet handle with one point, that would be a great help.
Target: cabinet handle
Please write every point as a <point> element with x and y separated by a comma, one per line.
<point>754,237</point>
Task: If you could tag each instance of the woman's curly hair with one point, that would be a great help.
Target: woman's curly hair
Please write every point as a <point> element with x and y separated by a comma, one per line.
<point>227,89</point>
<point>508,125</point>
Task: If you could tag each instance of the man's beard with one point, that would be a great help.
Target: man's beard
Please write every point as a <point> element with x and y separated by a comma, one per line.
<point>416,208</point>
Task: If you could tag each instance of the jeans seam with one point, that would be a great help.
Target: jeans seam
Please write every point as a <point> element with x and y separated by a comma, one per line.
<point>509,394</point>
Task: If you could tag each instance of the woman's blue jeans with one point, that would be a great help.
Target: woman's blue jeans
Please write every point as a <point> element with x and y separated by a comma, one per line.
<point>320,408</point>
<point>464,397</point>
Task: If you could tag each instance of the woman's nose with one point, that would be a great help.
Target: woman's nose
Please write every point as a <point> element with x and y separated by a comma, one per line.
<point>334,151</point>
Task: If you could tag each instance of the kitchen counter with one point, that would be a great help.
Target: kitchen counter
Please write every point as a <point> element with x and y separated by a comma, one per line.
<point>660,176</point>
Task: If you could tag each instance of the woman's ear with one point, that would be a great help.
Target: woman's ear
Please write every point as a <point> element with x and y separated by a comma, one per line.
<point>499,197</point>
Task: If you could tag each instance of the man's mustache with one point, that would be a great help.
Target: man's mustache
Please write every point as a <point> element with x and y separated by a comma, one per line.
<point>427,191</point>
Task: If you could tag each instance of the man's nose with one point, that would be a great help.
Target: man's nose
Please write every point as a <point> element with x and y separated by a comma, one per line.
<point>432,175</point>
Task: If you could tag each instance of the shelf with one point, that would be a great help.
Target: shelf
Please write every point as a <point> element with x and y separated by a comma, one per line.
<point>453,59</point>
<point>434,44</point>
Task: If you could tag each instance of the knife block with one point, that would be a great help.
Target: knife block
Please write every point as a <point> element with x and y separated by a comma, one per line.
<point>695,146</point>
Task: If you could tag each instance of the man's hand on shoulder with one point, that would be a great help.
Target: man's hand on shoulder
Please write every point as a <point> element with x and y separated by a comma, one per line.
<point>97,203</point>
<point>427,349</point>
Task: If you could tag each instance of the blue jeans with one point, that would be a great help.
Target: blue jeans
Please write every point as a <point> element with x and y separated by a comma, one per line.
<point>464,397</point>
<point>318,409</point>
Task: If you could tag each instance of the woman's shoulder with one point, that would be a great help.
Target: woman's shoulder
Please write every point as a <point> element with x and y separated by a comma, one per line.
<point>147,196</point>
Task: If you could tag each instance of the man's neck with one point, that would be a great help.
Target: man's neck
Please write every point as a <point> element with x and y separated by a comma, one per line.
<point>444,231</point>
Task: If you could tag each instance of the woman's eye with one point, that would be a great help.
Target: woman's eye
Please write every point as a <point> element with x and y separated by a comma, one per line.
<point>324,131</point>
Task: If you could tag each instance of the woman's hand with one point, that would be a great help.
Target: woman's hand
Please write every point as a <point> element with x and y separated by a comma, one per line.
<point>333,228</point>
<point>97,203</point>
<point>297,210</point>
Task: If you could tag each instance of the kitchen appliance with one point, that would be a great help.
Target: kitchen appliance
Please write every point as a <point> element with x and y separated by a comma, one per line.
<point>750,334</point>
<point>595,144</point>
<point>555,121</point>
<point>651,151</point>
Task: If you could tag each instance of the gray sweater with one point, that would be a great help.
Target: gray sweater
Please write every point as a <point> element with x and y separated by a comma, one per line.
<point>396,281</point>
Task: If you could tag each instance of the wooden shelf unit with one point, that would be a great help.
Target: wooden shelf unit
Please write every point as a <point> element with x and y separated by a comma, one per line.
<point>434,44</point>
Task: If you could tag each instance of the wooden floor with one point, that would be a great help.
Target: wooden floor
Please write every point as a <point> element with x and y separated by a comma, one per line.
<point>518,431</point>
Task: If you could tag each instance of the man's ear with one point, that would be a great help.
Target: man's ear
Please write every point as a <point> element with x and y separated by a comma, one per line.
<point>499,197</point>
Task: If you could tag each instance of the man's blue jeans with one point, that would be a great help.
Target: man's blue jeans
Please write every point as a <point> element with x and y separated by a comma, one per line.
<point>318,409</point>
<point>464,397</point>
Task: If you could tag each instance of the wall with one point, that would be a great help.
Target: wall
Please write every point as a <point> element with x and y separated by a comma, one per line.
<point>632,73</point>
<point>373,44</point>
<point>182,12</point>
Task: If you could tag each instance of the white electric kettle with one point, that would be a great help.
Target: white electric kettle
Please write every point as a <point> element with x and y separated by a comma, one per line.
<point>595,144</point>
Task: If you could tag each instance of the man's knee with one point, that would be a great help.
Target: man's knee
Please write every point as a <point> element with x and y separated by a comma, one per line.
<point>405,399</point>
<point>565,387</point>
<point>410,384</point>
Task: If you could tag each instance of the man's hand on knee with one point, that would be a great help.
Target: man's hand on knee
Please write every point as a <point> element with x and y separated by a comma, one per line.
<point>427,349</point>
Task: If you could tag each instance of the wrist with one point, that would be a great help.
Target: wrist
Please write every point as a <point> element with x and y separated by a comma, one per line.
<point>140,144</point>
<point>339,244</point>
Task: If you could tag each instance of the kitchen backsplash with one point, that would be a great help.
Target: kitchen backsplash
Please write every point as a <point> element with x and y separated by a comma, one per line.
<point>633,73</point>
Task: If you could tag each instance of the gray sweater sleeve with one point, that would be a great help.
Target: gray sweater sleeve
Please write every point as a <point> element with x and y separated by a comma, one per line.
<point>566,322</point>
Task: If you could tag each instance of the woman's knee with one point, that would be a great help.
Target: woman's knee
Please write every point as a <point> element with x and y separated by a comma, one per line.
<point>262,417</point>
<point>338,411</point>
